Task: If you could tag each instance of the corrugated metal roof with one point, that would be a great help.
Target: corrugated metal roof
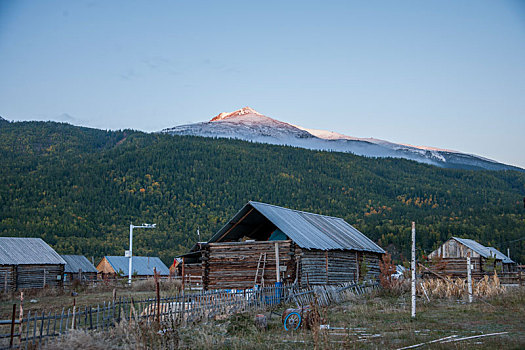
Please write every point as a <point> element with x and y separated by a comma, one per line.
<point>27,251</point>
<point>77,262</point>
<point>500,255</point>
<point>142,265</point>
<point>308,230</point>
<point>485,252</point>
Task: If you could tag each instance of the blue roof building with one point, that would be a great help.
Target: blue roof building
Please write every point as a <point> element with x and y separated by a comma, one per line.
<point>142,266</point>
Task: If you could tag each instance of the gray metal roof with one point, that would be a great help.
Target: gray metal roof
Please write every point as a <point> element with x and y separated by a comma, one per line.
<point>27,251</point>
<point>485,252</point>
<point>308,230</point>
<point>142,265</point>
<point>77,262</point>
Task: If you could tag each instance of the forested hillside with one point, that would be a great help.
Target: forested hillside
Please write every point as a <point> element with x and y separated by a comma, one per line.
<point>79,189</point>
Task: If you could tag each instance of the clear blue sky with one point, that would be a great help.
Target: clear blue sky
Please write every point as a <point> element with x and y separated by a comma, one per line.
<point>447,74</point>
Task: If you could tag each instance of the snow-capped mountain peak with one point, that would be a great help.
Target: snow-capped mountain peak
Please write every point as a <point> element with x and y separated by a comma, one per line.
<point>248,124</point>
<point>245,111</point>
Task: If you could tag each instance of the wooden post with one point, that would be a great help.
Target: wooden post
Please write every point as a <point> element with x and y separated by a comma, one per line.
<point>183,275</point>
<point>157,294</point>
<point>12,327</point>
<point>21,318</point>
<point>469,278</point>
<point>5,282</point>
<point>277,272</point>
<point>44,286</point>
<point>74,309</point>
<point>413,266</point>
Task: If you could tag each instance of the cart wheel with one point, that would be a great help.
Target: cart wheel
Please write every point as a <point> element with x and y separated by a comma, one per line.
<point>292,321</point>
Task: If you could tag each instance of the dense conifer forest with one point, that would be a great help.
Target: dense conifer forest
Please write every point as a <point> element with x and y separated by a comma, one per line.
<point>79,188</point>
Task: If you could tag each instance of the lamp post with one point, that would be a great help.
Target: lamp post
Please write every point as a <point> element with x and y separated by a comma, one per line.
<point>130,252</point>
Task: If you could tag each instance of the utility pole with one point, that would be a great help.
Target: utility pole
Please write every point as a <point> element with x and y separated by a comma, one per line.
<point>129,253</point>
<point>469,278</point>
<point>413,267</point>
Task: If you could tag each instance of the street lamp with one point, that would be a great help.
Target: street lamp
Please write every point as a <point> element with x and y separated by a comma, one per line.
<point>129,253</point>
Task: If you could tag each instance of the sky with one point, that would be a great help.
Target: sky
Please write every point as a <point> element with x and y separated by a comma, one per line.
<point>447,74</point>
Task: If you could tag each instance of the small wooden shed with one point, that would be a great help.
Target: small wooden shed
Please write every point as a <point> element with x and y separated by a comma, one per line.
<point>29,263</point>
<point>78,267</point>
<point>451,258</point>
<point>113,266</point>
<point>264,243</point>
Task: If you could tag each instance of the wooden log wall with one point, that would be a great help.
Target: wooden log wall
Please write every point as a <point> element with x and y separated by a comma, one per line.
<point>233,265</point>
<point>455,267</point>
<point>194,270</point>
<point>86,276</point>
<point>372,265</point>
<point>319,267</point>
<point>32,276</point>
<point>7,278</point>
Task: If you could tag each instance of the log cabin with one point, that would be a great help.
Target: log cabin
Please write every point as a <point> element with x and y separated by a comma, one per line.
<point>450,259</point>
<point>27,263</point>
<point>118,266</point>
<point>78,267</point>
<point>264,244</point>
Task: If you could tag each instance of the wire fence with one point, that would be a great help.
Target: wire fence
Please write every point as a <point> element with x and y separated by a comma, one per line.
<point>35,329</point>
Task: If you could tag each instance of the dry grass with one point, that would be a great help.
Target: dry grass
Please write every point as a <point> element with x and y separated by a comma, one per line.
<point>457,288</point>
<point>122,337</point>
<point>365,322</point>
<point>172,287</point>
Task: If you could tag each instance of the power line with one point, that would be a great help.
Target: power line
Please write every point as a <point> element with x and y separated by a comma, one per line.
<point>515,240</point>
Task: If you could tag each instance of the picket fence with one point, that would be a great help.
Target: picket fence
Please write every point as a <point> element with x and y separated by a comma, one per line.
<point>37,328</point>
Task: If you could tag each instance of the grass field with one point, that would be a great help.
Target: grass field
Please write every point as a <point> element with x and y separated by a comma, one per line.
<point>379,322</point>
<point>366,322</point>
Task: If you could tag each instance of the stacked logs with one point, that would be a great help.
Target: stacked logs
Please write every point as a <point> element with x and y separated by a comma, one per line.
<point>233,265</point>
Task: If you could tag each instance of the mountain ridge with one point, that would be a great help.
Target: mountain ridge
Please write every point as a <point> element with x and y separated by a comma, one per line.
<point>250,125</point>
<point>79,188</point>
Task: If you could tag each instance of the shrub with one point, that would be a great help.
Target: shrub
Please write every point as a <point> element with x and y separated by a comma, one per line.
<point>386,268</point>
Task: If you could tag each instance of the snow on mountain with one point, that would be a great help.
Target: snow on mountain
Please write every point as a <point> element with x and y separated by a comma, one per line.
<point>248,124</point>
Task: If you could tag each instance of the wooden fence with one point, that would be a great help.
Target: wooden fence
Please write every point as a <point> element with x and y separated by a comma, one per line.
<point>34,329</point>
